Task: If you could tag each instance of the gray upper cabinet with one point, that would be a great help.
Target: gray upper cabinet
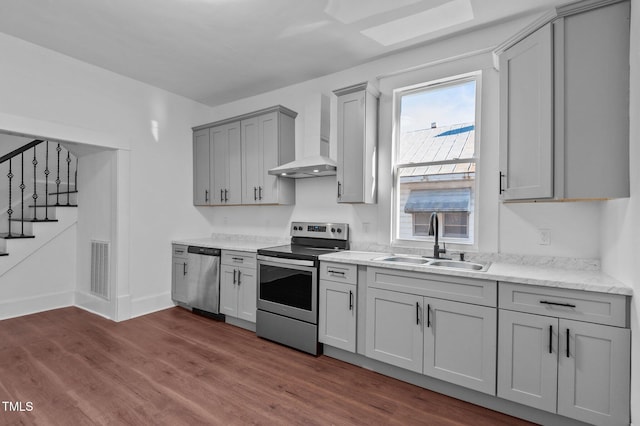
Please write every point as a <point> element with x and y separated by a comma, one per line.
<point>526,97</point>
<point>357,144</point>
<point>201,169</point>
<point>564,105</point>
<point>231,159</point>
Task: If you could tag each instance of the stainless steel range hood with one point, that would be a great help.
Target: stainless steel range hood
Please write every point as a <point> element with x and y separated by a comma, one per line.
<point>316,162</point>
<point>317,165</point>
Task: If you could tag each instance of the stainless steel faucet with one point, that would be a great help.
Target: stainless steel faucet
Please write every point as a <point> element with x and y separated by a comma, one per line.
<point>433,230</point>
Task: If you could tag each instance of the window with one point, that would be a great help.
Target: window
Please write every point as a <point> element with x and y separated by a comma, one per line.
<point>435,161</point>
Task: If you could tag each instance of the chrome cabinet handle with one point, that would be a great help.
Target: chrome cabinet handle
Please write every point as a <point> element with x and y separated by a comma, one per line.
<point>500,177</point>
<point>339,184</point>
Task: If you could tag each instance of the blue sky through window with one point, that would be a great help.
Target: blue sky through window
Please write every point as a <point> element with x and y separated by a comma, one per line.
<point>445,106</point>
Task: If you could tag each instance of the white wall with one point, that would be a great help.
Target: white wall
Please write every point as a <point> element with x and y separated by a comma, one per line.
<point>620,221</point>
<point>50,95</point>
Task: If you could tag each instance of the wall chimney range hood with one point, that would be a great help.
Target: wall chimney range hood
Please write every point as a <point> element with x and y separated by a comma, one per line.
<point>316,136</point>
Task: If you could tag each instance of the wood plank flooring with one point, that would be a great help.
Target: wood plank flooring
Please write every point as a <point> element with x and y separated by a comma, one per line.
<point>174,368</point>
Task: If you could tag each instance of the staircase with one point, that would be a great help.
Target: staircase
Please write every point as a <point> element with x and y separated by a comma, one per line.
<point>39,198</point>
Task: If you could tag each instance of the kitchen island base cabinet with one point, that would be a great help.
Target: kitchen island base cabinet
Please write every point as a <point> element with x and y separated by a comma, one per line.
<point>573,368</point>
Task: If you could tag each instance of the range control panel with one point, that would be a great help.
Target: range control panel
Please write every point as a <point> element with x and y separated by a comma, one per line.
<point>336,231</point>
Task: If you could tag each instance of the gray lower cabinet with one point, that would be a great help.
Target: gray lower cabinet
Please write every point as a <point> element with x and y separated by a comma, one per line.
<point>552,362</point>
<point>447,339</point>
<point>338,305</point>
<point>179,271</point>
<point>238,285</point>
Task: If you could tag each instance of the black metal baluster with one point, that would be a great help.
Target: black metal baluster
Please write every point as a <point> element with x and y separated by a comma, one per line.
<point>22,187</point>
<point>10,210</point>
<point>58,177</point>
<point>35,189</point>
<point>46,183</point>
<point>68,177</point>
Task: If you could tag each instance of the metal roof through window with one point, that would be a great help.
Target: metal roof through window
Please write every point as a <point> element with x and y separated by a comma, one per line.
<point>438,200</point>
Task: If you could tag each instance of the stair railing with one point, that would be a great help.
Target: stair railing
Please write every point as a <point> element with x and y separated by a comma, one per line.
<point>11,159</point>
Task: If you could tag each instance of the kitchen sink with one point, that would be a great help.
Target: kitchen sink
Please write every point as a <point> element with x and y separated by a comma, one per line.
<point>404,259</point>
<point>436,263</point>
<point>459,264</point>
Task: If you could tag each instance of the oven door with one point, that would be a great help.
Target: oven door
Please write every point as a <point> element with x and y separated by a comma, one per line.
<point>288,287</point>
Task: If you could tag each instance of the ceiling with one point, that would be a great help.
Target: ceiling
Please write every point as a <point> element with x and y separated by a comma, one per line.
<point>216,51</point>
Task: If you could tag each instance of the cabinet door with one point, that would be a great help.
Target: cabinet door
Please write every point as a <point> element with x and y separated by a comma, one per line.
<point>179,280</point>
<point>460,344</point>
<point>528,359</point>
<point>337,315</point>
<point>594,373</point>
<point>225,164</point>
<point>251,160</point>
<point>394,329</point>
<point>268,135</point>
<point>526,118</point>
<point>351,136</point>
<point>228,290</point>
<point>201,177</point>
<point>247,295</point>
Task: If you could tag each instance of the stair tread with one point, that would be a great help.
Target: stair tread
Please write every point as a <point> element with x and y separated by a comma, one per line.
<point>14,236</point>
<point>34,220</point>
<point>63,192</point>
<point>41,206</point>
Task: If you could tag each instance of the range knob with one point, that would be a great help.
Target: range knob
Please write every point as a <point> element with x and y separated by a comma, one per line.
<point>339,230</point>
<point>295,228</point>
<point>333,229</point>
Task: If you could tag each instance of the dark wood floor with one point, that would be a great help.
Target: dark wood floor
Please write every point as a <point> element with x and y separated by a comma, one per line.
<point>173,367</point>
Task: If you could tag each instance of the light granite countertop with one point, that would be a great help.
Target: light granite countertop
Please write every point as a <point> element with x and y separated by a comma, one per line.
<point>230,242</point>
<point>588,280</point>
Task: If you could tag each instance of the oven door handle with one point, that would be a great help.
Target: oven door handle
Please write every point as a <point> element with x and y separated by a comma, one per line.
<point>284,261</point>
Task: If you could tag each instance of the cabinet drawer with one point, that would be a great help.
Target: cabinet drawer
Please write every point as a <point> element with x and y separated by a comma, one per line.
<point>339,272</point>
<point>179,251</point>
<point>601,308</point>
<point>238,258</point>
<point>461,289</point>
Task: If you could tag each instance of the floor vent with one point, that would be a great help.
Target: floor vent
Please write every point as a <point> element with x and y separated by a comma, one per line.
<point>100,269</point>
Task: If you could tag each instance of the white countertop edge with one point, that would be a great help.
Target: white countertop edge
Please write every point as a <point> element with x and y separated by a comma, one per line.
<point>504,272</point>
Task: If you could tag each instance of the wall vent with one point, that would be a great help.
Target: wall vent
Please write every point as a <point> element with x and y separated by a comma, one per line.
<point>100,269</point>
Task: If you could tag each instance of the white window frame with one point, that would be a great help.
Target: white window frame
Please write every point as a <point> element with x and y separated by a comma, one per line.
<point>452,243</point>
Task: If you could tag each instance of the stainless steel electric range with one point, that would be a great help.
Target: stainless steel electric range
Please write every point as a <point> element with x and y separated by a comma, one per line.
<point>288,284</point>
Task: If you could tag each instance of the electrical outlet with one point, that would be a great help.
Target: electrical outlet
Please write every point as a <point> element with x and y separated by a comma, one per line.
<point>544,237</point>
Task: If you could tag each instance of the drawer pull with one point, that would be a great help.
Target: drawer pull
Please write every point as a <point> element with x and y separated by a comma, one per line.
<point>568,305</point>
<point>237,259</point>
<point>331,271</point>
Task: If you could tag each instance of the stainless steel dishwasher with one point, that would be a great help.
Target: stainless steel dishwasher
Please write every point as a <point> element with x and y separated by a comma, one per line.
<point>201,281</point>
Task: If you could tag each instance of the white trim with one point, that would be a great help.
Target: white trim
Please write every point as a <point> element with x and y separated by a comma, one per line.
<point>30,305</point>
<point>149,304</point>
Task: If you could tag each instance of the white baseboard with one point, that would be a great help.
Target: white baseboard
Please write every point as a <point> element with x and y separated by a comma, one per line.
<point>94,304</point>
<point>149,304</point>
<point>31,305</point>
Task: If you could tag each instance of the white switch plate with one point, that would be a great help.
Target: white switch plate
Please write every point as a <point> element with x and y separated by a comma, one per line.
<point>544,237</point>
